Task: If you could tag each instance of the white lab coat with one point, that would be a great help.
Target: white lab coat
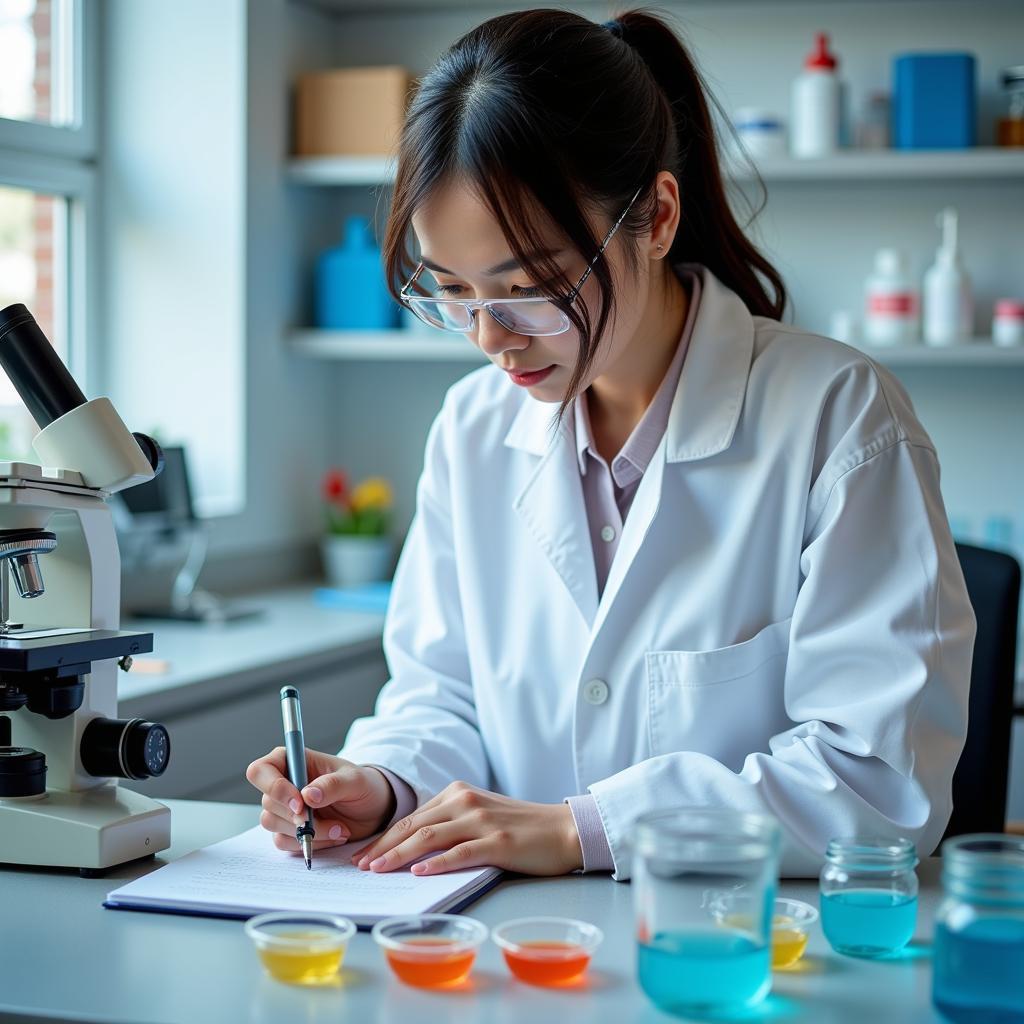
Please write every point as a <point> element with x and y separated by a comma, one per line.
<point>785,626</point>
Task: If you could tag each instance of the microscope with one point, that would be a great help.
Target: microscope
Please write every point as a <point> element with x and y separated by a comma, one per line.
<point>62,746</point>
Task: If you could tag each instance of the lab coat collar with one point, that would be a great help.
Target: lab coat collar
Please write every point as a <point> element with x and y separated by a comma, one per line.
<point>707,405</point>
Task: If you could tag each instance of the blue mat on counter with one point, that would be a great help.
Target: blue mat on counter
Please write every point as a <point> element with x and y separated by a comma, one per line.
<point>371,597</point>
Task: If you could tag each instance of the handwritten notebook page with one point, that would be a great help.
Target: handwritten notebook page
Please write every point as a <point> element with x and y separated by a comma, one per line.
<point>247,874</point>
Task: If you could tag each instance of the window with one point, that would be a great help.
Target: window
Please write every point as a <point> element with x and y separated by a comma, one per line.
<point>37,69</point>
<point>47,184</point>
<point>33,235</point>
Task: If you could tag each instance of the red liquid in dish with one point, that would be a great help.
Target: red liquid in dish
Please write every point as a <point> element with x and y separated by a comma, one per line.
<point>547,963</point>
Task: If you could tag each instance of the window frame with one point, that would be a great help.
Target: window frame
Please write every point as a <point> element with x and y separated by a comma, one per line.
<point>61,160</point>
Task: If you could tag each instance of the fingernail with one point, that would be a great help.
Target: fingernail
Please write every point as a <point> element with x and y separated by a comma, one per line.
<point>364,862</point>
<point>314,794</point>
<point>378,863</point>
<point>295,805</point>
<point>335,832</point>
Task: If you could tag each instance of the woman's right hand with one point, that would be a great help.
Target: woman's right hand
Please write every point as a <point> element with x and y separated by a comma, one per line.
<point>349,801</point>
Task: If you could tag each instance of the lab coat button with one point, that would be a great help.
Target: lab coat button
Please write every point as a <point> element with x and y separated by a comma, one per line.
<point>608,534</point>
<point>595,692</point>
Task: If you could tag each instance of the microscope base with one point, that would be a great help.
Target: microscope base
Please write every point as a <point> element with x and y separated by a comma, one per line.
<point>93,828</point>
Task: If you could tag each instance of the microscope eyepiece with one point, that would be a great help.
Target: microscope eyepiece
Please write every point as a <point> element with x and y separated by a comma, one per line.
<point>36,371</point>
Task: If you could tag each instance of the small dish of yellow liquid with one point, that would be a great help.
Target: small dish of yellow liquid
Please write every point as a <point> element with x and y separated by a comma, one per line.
<point>791,921</point>
<point>301,949</point>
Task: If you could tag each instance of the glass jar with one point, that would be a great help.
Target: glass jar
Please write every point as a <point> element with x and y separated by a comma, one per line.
<point>693,959</point>
<point>978,972</point>
<point>869,895</point>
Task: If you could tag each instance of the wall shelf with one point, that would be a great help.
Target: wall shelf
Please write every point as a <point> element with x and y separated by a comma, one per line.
<point>341,170</point>
<point>413,346</point>
<point>385,346</point>
<point>889,165</point>
<point>977,352</point>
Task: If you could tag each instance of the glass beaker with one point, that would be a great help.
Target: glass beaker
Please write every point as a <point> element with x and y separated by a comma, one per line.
<point>692,959</point>
<point>978,974</point>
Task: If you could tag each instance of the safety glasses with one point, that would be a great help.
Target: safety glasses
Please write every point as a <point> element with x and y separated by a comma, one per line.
<point>537,317</point>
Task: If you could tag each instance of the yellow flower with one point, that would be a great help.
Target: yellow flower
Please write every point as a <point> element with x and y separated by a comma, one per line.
<point>372,493</point>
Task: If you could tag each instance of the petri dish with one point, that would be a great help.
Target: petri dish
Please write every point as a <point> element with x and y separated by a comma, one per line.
<point>791,922</point>
<point>301,948</point>
<point>547,951</point>
<point>430,950</point>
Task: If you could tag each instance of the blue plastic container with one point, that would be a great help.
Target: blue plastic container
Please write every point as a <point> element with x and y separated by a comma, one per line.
<point>350,290</point>
<point>933,101</point>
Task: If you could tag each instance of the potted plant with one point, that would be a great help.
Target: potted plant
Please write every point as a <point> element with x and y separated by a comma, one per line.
<point>357,546</point>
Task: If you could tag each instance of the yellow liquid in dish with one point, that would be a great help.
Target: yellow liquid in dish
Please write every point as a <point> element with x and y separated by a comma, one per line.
<point>788,945</point>
<point>297,965</point>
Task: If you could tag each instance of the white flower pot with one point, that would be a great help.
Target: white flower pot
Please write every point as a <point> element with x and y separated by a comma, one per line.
<point>352,560</point>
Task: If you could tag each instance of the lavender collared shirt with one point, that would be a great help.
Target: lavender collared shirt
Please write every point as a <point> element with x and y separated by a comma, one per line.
<point>608,493</point>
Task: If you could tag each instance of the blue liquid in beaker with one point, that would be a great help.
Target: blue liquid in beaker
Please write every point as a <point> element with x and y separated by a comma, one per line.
<point>979,972</point>
<point>701,973</point>
<point>868,922</point>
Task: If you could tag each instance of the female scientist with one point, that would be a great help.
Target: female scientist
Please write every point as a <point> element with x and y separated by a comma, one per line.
<point>667,550</point>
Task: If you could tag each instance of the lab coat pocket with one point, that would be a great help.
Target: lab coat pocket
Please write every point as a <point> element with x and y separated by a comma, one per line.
<point>725,703</point>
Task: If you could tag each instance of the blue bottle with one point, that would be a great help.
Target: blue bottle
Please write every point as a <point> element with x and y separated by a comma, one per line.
<point>350,290</point>
<point>978,967</point>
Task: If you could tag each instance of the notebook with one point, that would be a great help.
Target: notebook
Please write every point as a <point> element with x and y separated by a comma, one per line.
<point>247,875</point>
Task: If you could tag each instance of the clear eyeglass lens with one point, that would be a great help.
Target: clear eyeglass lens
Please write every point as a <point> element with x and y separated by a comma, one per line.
<point>449,316</point>
<point>532,317</point>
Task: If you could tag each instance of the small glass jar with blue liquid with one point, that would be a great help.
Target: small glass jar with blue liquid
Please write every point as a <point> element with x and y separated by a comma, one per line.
<point>978,966</point>
<point>869,895</point>
<point>693,960</point>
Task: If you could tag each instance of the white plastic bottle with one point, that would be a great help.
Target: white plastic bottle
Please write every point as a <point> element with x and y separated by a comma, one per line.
<point>948,306</point>
<point>816,104</point>
<point>890,301</point>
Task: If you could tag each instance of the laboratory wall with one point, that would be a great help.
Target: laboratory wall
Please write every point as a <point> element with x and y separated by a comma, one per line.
<point>822,234</point>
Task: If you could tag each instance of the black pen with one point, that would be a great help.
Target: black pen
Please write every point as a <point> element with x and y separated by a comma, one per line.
<point>295,751</point>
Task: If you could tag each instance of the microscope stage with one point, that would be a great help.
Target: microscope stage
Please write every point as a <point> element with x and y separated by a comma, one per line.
<point>64,647</point>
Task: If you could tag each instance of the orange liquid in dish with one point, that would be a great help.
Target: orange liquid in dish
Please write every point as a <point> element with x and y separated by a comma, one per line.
<point>547,968</point>
<point>433,966</point>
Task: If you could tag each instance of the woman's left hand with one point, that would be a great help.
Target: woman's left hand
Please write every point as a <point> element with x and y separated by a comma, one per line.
<point>476,828</point>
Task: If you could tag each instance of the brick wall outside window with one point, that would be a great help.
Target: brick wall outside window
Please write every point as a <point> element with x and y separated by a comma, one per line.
<point>43,213</point>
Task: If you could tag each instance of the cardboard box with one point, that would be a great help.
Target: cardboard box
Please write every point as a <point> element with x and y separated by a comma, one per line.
<point>351,111</point>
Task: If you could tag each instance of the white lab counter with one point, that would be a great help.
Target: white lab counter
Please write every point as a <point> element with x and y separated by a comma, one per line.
<point>219,694</point>
<point>69,961</point>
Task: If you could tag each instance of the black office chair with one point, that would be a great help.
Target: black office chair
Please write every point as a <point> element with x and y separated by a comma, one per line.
<point>980,781</point>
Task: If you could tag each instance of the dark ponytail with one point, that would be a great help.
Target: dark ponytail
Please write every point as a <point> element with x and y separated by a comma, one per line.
<point>708,232</point>
<point>549,115</point>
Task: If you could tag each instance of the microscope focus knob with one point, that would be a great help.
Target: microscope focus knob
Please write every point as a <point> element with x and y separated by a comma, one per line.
<point>125,748</point>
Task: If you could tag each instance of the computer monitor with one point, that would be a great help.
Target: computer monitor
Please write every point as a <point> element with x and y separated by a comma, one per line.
<point>166,500</point>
